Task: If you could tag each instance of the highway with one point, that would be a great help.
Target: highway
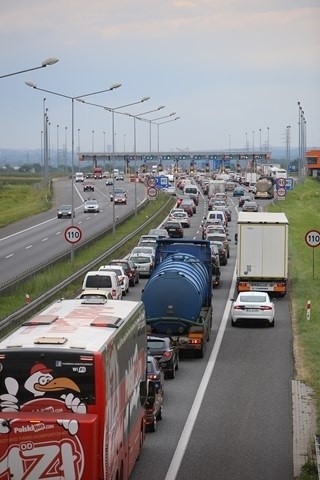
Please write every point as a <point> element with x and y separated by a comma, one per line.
<point>34,240</point>
<point>227,416</point>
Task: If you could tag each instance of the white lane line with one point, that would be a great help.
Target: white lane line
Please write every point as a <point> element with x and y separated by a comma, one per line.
<point>29,246</point>
<point>186,433</point>
<point>44,239</point>
<point>9,256</point>
<point>58,233</point>
<point>27,229</point>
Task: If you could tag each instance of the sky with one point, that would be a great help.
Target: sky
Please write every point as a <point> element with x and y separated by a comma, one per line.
<point>231,73</point>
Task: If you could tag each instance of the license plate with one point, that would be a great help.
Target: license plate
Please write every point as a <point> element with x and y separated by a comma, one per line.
<point>252,309</point>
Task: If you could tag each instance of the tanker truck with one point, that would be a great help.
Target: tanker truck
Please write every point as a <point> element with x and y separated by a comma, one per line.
<point>178,295</point>
<point>264,187</point>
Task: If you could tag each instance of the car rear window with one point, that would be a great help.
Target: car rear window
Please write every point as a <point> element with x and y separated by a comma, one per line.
<point>156,344</point>
<point>252,298</point>
<point>98,281</point>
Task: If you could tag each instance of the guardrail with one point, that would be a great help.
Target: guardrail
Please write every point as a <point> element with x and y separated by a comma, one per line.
<point>15,318</point>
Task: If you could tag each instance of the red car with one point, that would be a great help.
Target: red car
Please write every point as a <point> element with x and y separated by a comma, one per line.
<point>153,409</point>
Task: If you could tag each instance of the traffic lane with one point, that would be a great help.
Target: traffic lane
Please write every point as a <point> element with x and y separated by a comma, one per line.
<point>160,446</point>
<point>244,427</point>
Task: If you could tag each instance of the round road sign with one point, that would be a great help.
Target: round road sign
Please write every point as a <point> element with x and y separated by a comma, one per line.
<point>312,238</point>
<point>152,192</point>
<point>281,192</point>
<point>151,182</point>
<point>73,234</point>
<point>281,182</point>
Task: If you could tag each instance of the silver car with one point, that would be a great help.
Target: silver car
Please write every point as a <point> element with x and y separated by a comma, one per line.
<point>91,206</point>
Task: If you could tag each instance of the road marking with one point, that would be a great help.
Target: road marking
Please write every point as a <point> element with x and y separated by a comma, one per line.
<point>186,433</point>
<point>29,246</point>
<point>8,256</point>
<point>44,239</point>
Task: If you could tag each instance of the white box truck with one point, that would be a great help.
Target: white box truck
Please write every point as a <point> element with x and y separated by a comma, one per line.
<point>262,252</point>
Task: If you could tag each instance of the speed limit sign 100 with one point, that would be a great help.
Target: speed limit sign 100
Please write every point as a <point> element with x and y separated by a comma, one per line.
<point>73,234</point>
<point>312,238</point>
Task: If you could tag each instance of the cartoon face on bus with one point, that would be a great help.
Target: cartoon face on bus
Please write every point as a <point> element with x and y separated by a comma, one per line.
<point>30,443</point>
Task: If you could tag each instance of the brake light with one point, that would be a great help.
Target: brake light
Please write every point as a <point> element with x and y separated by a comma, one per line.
<point>152,376</point>
<point>167,354</point>
<point>239,307</point>
<point>195,341</point>
<point>265,307</point>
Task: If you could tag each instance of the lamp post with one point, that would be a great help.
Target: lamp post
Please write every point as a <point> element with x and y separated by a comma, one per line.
<point>246,146</point>
<point>58,147</point>
<point>158,132</point>
<point>113,87</point>
<point>114,110</point>
<point>260,140</point>
<point>288,144</point>
<point>92,141</point>
<point>268,139</point>
<point>150,123</point>
<point>253,141</point>
<point>79,148</point>
<point>299,140</point>
<point>45,63</point>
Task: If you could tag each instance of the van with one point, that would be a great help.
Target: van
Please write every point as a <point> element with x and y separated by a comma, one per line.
<point>106,281</point>
<point>79,177</point>
<point>217,216</point>
<point>193,192</point>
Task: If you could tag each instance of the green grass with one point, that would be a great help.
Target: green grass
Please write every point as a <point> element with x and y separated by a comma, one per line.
<point>302,207</point>
<point>21,200</point>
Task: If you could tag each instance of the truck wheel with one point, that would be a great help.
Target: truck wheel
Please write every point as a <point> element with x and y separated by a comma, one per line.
<point>153,426</point>
<point>201,352</point>
<point>159,416</point>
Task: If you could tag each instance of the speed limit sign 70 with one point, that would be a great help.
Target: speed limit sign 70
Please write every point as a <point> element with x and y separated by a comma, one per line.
<point>73,234</point>
<point>312,238</point>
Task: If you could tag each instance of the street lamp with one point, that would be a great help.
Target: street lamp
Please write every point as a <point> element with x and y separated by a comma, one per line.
<point>158,130</point>
<point>113,87</point>
<point>45,63</point>
<point>260,140</point>
<point>113,111</point>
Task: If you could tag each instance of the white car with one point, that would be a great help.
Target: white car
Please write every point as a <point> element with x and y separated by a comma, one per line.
<point>182,217</point>
<point>119,271</point>
<point>141,249</point>
<point>250,306</point>
<point>91,206</point>
<point>144,263</point>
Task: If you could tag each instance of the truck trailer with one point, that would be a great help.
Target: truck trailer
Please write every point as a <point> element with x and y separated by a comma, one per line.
<point>178,295</point>
<point>262,252</point>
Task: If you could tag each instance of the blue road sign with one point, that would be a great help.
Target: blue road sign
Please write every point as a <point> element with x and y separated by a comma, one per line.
<point>289,183</point>
<point>161,181</point>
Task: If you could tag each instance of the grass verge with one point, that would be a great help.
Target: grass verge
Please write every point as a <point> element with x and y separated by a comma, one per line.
<point>20,200</point>
<point>301,206</point>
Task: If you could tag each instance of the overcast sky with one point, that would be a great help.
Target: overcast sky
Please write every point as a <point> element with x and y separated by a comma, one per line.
<point>232,70</point>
